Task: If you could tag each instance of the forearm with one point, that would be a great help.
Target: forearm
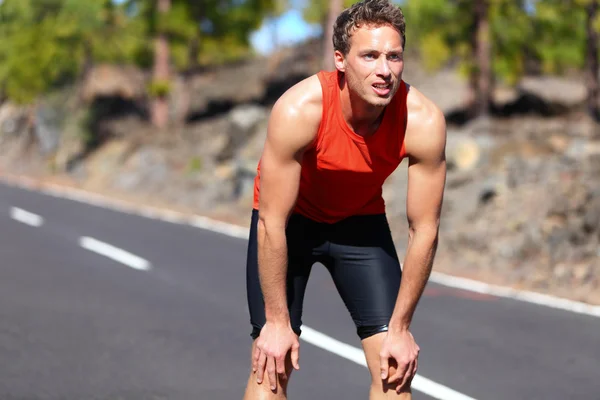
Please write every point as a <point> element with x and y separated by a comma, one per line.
<point>416,270</point>
<point>272,270</point>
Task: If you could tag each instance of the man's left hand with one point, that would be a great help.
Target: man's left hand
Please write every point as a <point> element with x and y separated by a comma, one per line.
<point>399,346</point>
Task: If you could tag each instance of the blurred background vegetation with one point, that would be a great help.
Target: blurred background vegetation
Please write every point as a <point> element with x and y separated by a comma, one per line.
<point>47,43</point>
<point>166,102</point>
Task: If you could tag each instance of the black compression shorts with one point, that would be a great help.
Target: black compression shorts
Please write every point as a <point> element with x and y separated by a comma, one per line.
<point>359,254</point>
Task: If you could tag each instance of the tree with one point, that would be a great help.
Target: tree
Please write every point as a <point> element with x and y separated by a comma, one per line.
<point>592,17</point>
<point>324,13</point>
<point>481,75</point>
<point>488,39</point>
<point>335,7</point>
<point>45,44</point>
<point>160,75</point>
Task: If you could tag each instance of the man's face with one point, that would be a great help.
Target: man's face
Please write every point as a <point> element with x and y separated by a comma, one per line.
<point>374,64</point>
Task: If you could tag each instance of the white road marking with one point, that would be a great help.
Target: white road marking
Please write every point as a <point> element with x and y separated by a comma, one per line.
<point>115,253</point>
<point>523,295</point>
<point>241,232</point>
<point>357,356</point>
<point>26,217</point>
<point>312,336</point>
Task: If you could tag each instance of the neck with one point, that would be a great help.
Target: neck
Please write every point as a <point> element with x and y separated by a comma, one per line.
<point>363,118</point>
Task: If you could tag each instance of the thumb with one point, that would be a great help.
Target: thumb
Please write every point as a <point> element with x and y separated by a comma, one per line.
<point>384,365</point>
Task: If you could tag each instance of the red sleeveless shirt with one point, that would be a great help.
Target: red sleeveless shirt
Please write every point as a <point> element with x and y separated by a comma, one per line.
<point>343,172</point>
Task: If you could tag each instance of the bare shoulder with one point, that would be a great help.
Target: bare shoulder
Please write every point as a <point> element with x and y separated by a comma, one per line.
<point>426,127</point>
<point>296,115</point>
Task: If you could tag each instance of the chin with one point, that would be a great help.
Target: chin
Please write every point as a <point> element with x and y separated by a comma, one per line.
<point>379,101</point>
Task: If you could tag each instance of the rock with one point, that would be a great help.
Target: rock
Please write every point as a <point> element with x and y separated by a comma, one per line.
<point>559,143</point>
<point>243,122</point>
<point>245,118</point>
<point>582,272</point>
<point>13,119</point>
<point>114,81</point>
<point>225,171</point>
<point>47,129</point>
<point>561,271</point>
<point>554,89</point>
<point>591,218</point>
<point>463,153</point>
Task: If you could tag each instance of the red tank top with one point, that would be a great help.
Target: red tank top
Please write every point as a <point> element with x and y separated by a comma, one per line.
<point>342,172</point>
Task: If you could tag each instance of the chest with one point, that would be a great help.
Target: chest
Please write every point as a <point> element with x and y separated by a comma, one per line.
<point>345,160</point>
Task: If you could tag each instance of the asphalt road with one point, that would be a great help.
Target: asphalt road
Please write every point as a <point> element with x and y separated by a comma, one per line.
<point>76,324</point>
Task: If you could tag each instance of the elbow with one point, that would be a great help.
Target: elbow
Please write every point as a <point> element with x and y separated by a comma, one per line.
<point>428,231</point>
<point>270,226</point>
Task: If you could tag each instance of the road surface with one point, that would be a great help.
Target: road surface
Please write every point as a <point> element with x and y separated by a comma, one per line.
<point>100,304</point>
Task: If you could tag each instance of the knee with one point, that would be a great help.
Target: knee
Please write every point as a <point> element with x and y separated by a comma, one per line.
<point>379,385</point>
<point>265,386</point>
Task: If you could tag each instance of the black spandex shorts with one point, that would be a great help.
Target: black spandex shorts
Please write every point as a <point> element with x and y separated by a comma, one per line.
<point>359,254</point>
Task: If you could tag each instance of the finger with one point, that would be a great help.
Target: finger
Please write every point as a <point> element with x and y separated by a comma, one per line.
<point>271,372</point>
<point>401,370</point>
<point>406,378</point>
<point>296,356</point>
<point>255,358</point>
<point>280,366</point>
<point>262,359</point>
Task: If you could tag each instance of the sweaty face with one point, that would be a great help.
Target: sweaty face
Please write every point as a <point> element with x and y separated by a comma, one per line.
<point>373,66</point>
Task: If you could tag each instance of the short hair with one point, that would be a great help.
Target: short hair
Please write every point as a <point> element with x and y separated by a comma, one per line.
<point>366,12</point>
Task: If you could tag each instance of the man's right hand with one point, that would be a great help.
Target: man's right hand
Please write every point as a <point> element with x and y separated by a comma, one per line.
<point>276,340</point>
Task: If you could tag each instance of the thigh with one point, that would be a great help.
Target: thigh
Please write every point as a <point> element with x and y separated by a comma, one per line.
<point>366,271</point>
<point>300,260</point>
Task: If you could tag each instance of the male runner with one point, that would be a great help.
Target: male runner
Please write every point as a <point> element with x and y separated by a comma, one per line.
<point>332,140</point>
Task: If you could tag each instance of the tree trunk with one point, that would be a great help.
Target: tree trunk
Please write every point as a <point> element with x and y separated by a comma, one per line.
<point>481,76</point>
<point>335,7</point>
<point>160,106</point>
<point>592,60</point>
<point>185,94</point>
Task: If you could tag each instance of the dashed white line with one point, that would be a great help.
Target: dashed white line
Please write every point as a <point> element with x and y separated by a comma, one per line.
<point>356,355</point>
<point>114,253</point>
<point>309,335</point>
<point>242,233</point>
<point>26,217</point>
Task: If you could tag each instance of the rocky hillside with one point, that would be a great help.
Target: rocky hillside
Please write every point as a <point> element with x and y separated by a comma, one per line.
<point>522,205</point>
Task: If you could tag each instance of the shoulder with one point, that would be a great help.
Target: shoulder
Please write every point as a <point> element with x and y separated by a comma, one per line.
<point>426,126</point>
<point>296,115</point>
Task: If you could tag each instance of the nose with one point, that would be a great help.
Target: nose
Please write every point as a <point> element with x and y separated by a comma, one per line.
<point>383,67</point>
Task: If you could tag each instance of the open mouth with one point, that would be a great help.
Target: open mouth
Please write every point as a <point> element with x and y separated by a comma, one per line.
<point>382,89</point>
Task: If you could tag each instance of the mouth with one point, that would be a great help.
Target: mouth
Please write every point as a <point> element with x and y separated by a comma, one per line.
<point>382,89</point>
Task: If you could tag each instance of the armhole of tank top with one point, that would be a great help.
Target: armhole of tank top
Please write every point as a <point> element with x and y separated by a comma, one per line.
<point>404,113</point>
<point>316,144</point>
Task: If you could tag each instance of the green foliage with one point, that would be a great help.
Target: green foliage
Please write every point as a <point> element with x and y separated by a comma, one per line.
<point>49,42</point>
<point>159,88</point>
<point>553,33</point>
<point>315,11</point>
<point>560,39</point>
<point>194,165</point>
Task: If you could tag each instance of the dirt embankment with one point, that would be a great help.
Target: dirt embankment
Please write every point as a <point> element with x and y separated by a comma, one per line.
<point>522,205</point>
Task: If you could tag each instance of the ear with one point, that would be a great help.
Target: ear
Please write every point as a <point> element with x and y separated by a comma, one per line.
<point>340,61</point>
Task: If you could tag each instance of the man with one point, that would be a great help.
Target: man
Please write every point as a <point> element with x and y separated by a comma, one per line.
<point>332,140</point>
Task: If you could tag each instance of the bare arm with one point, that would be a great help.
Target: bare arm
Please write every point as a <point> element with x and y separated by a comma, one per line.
<point>292,127</point>
<point>425,144</point>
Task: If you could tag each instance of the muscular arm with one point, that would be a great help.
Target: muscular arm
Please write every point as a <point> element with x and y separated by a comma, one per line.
<point>425,144</point>
<point>292,127</point>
